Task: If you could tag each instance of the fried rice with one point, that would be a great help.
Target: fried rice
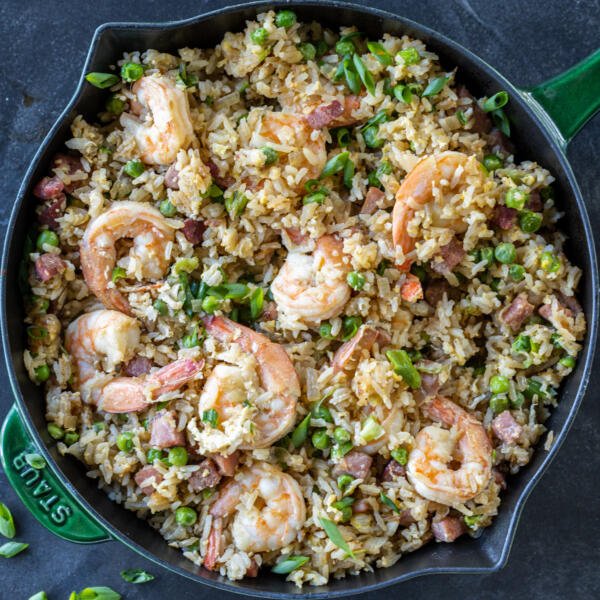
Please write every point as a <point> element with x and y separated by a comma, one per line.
<point>295,134</point>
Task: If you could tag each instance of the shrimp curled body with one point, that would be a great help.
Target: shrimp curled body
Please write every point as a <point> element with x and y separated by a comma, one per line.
<point>167,127</point>
<point>151,234</point>
<point>311,289</point>
<point>99,341</point>
<point>266,508</point>
<point>417,189</point>
<point>428,464</point>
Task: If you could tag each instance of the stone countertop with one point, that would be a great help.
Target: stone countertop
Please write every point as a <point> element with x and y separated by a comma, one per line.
<point>555,553</point>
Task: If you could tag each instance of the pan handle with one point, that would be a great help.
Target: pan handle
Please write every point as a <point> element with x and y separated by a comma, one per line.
<point>42,492</point>
<point>571,98</point>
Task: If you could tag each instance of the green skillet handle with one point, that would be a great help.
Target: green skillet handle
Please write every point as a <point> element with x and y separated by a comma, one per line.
<point>571,98</point>
<point>40,489</point>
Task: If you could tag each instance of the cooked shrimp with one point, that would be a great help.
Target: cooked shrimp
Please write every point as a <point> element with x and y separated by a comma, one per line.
<point>167,124</point>
<point>224,392</point>
<point>435,448</point>
<point>151,234</point>
<point>99,341</point>
<point>417,189</point>
<point>299,146</point>
<point>267,511</point>
<point>311,289</point>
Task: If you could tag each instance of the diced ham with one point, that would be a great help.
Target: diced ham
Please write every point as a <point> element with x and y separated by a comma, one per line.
<point>569,302</point>
<point>517,311</point>
<point>504,217</point>
<point>226,464</point>
<point>48,266</point>
<point>193,230</point>
<point>506,428</point>
<point>207,476</point>
<point>252,570</point>
<point>324,115</point>
<point>435,290</point>
<point>545,311</point>
<point>222,181</point>
<point>534,202</point>
<point>372,200</point>
<point>69,165</point>
<point>48,188</point>
<point>405,518</point>
<point>411,289</point>
<point>163,431</point>
<point>172,178</point>
<point>481,120</point>
<point>52,210</point>
<point>496,139</point>
<point>144,474</point>
<point>269,312</point>
<point>349,352</point>
<point>393,470</point>
<point>452,254</point>
<point>430,384</point>
<point>448,529</point>
<point>355,463</point>
<point>137,366</point>
<point>296,236</point>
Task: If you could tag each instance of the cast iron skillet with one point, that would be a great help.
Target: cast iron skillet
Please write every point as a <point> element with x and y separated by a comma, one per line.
<point>70,505</point>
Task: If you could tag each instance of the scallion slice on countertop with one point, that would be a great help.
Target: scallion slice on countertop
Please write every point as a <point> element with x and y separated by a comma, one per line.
<point>102,80</point>
<point>335,535</point>
<point>7,524</point>
<point>39,596</point>
<point>136,576</point>
<point>289,564</point>
<point>10,549</point>
<point>96,593</point>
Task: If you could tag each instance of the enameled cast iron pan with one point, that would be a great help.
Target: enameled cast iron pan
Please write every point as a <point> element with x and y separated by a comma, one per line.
<point>68,503</point>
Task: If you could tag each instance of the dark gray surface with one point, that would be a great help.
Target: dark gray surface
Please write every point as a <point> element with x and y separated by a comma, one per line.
<point>555,554</point>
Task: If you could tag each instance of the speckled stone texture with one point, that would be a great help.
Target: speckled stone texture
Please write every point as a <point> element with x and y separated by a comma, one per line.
<point>555,553</point>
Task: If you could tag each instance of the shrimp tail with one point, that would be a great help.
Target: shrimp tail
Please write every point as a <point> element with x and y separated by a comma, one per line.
<point>214,546</point>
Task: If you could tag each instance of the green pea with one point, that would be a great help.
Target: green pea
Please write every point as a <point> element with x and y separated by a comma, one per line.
<point>71,437</point>
<point>115,105</point>
<point>355,280</point>
<point>499,384</point>
<point>322,412</point>
<point>42,373</point>
<point>567,361</point>
<point>186,516</point>
<point>549,262</point>
<point>46,238</point>
<point>529,221</point>
<point>56,431</point>
<point>516,272</point>
<point>155,454</point>
<point>499,403</point>
<point>346,512</point>
<point>344,47</point>
<point>167,208</point>
<point>325,331</point>
<point>134,168</point>
<point>487,255</point>
<point>400,455</point>
<point>125,441</point>
<point>341,435</point>
<point>307,50</point>
<point>320,439</point>
<point>505,253</point>
<point>260,36</point>
<point>344,480</point>
<point>370,137</point>
<point>522,343</point>
<point>178,456</point>
<point>516,198</point>
<point>271,155</point>
<point>410,55</point>
<point>492,162</point>
<point>285,18</point>
<point>210,304</point>
<point>350,327</point>
<point>131,71</point>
